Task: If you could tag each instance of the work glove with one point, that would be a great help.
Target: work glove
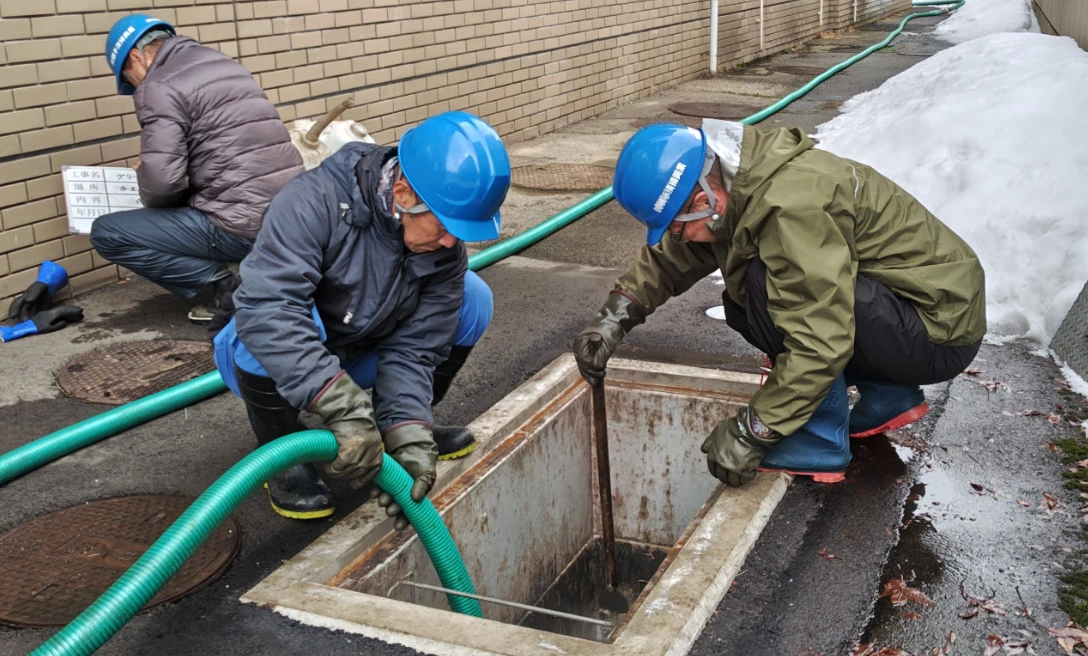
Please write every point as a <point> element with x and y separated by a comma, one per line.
<point>38,297</point>
<point>617,317</point>
<point>734,448</point>
<point>43,322</point>
<point>413,447</point>
<point>347,411</point>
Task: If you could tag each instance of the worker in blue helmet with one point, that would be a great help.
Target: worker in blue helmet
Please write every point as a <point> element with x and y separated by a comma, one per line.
<point>833,271</point>
<point>213,153</point>
<point>357,305</point>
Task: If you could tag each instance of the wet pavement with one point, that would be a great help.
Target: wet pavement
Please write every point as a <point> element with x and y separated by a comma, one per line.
<point>813,582</point>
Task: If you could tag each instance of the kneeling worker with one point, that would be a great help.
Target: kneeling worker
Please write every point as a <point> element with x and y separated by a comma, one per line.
<point>837,274</point>
<point>357,305</point>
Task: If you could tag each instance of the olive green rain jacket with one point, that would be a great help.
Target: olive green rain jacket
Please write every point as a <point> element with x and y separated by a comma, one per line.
<point>816,221</point>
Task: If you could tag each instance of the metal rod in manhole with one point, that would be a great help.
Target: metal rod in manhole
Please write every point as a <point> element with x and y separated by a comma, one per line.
<point>503,602</point>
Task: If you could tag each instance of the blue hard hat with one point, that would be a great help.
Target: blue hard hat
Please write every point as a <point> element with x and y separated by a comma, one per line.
<point>656,173</point>
<point>123,37</point>
<point>458,167</point>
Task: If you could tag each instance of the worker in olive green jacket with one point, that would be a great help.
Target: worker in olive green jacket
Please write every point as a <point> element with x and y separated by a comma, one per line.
<point>837,274</point>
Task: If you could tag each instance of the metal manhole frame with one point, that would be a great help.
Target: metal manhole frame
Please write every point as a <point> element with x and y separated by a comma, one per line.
<point>75,384</point>
<point>712,110</point>
<point>227,533</point>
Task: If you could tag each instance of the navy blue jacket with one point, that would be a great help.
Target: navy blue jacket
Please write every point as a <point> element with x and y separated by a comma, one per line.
<point>326,241</point>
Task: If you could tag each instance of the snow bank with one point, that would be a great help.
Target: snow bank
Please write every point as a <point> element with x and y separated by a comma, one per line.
<point>989,136</point>
<point>979,18</point>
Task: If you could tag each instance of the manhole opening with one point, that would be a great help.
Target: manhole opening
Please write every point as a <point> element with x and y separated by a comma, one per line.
<point>56,565</point>
<point>125,372</point>
<point>537,490</point>
<point>562,177</point>
<point>721,111</point>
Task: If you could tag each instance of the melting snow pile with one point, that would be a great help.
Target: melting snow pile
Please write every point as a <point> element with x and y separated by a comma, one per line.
<point>979,18</point>
<point>989,136</point>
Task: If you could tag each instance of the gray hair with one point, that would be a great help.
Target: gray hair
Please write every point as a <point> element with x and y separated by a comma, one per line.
<point>150,37</point>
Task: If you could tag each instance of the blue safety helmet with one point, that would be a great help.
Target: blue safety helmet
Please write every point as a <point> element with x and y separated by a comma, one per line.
<point>656,173</point>
<point>123,37</point>
<point>459,169</point>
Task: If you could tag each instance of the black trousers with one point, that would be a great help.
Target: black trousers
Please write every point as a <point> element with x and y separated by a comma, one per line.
<point>890,341</point>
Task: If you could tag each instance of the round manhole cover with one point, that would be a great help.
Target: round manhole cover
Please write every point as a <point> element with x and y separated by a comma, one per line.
<point>55,565</point>
<point>125,372</point>
<point>723,111</point>
<point>562,177</point>
<point>690,121</point>
<point>812,71</point>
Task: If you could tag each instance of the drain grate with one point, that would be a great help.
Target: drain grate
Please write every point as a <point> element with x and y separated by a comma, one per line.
<point>811,71</point>
<point>125,372</point>
<point>55,565</point>
<point>562,177</point>
<point>723,111</point>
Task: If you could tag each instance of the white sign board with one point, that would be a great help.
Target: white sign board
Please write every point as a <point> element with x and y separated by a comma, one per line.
<point>91,191</point>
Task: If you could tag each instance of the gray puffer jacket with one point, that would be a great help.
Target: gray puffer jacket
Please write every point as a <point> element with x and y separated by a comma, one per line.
<point>210,138</point>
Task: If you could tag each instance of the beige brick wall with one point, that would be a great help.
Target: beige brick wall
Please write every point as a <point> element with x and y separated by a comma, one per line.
<point>528,67</point>
<point>1065,18</point>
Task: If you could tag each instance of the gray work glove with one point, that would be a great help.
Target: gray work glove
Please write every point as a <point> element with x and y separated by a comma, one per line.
<point>347,411</point>
<point>734,448</point>
<point>617,317</point>
<point>413,447</point>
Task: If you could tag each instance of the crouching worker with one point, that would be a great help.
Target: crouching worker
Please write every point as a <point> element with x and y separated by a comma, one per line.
<point>356,305</point>
<point>213,153</point>
<point>837,274</point>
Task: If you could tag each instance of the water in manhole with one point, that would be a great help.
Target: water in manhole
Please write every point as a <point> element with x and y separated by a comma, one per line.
<point>55,565</point>
<point>812,71</point>
<point>562,177</point>
<point>125,372</point>
<point>723,111</point>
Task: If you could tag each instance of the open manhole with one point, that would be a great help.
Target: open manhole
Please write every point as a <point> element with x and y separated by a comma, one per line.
<point>55,565</point>
<point>811,71</point>
<point>723,111</point>
<point>125,372</point>
<point>562,177</point>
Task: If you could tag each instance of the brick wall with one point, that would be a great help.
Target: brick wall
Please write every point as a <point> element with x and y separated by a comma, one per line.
<point>526,67</point>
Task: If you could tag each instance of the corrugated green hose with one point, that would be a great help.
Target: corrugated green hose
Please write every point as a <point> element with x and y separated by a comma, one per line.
<point>146,576</point>
<point>60,443</point>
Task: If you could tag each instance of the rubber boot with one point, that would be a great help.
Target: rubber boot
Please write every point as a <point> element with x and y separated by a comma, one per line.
<point>297,492</point>
<point>453,441</point>
<point>821,449</point>
<point>886,406</point>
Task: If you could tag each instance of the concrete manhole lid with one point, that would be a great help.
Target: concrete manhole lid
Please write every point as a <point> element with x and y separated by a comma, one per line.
<point>812,71</point>
<point>125,372</point>
<point>562,177</point>
<point>55,565</point>
<point>723,111</point>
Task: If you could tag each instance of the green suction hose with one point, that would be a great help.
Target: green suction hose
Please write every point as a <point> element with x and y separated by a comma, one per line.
<point>60,443</point>
<point>146,576</point>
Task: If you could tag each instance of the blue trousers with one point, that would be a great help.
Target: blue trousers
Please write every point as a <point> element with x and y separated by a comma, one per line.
<point>476,311</point>
<point>177,248</point>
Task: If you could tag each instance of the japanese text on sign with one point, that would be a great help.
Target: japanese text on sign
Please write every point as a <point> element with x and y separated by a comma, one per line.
<point>91,191</point>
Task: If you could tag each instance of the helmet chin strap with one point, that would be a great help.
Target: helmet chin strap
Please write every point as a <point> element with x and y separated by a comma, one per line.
<point>712,212</point>
<point>398,210</point>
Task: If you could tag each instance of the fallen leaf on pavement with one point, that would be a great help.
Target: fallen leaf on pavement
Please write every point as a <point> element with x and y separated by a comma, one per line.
<point>1023,503</point>
<point>993,607</point>
<point>990,385</point>
<point>1054,419</point>
<point>951,637</point>
<point>1069,637</point>
<point>1030,413</point>
<point>977,487</point>
<point>825,554</point>
<point>972,372</point>
<point>1050,504</point>
<point>1012,648</point>
<point>899,593</point>
<point>873,650</point>
<point>914,617</point>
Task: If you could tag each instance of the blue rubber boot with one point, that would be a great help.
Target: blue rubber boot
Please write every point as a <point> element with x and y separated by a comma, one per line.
<point>886,406</point>
<point>821,449</point>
